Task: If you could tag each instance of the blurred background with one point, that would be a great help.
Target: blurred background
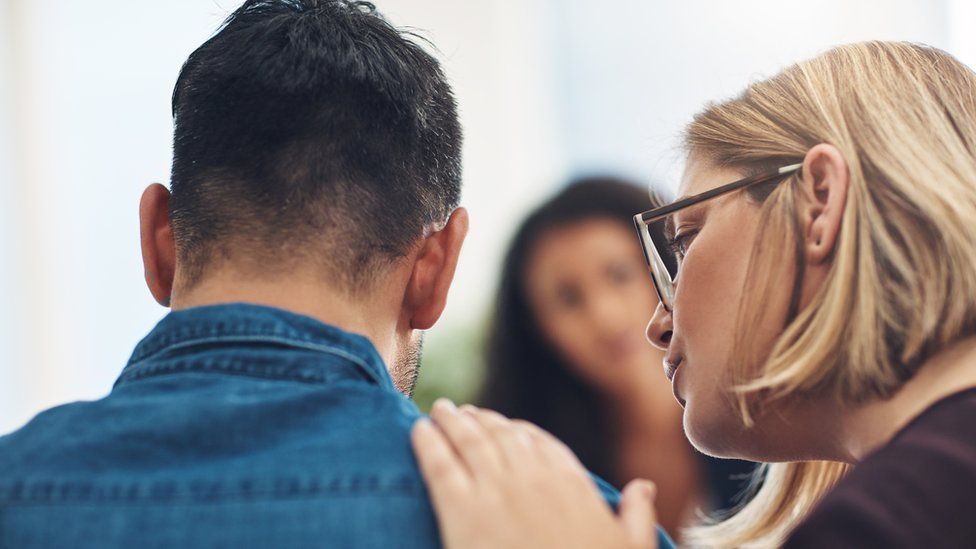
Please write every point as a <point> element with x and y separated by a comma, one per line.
<point>548,90</point>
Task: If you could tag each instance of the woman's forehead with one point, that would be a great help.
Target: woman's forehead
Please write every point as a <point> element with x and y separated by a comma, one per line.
<point>700,176</point>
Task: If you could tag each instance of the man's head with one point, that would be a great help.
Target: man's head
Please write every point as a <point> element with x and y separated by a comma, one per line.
<point>312,141</point>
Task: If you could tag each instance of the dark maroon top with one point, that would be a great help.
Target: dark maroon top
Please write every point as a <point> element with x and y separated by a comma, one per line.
<point>919,490</point>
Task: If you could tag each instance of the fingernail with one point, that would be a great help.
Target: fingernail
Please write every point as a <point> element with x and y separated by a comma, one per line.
<point>468,408</point>
<point>423,424</point>
<point>446,405</point>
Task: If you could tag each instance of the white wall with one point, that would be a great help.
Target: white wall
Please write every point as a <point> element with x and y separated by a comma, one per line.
<point>88,86</point>
<point>635,72</point>
<point>12,382</point>
<point>547,88</point>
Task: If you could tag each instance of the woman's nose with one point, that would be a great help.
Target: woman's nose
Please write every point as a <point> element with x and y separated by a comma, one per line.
<point>659,329</point>
<point>608,313</point>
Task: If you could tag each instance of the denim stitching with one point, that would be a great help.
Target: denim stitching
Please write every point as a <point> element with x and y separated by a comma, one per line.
<point>161,341</point>
<point>224,366</point>
<point>204,491</point>
<point>132,370</point>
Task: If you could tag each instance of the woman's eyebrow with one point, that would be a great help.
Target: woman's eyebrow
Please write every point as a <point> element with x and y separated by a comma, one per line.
<point>696,211</point>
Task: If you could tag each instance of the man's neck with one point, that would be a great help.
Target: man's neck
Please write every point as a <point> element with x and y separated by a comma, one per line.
<point>302,295</point>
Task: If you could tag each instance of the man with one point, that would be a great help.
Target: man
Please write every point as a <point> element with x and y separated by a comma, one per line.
<point>310,234</point>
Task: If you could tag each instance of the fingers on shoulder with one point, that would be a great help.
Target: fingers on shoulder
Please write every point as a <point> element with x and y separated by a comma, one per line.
<point>440,466</point>
<point>470,441</point>
<point>555,451</point>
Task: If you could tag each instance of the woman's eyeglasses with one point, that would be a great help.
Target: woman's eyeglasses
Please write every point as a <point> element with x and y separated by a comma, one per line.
<point>663,251</point>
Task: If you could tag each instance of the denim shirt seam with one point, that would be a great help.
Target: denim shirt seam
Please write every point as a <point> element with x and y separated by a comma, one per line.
<point>133,369</point>
<point>161,342</point>
<point>226,366</point>
<point>163,491</point>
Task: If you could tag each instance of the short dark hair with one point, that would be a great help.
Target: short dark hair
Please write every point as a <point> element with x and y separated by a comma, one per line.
<point>310,130</point>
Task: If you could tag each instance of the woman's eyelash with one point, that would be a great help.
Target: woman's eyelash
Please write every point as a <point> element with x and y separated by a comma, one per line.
<point>675,244</point>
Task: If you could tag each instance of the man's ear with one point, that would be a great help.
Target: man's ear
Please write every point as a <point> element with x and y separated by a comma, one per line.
<point>158,246</point>
<point>820,206</point>
<point>433,272</point>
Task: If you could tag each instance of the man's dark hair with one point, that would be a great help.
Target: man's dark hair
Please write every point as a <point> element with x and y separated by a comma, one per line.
<point>310,130</point>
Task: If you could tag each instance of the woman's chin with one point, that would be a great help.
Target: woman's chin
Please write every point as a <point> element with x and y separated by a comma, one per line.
<point>714,435</point>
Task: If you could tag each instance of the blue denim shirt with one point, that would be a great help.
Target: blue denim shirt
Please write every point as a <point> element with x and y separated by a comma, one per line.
<point>231,426</point>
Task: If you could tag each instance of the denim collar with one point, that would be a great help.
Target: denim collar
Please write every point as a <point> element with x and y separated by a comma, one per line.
<point>243,323</point>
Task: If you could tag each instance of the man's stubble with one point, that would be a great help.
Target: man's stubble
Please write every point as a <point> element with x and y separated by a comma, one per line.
<point>405,369</point>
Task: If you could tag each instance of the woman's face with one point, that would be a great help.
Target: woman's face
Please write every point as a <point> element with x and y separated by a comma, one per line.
<point>589,289</point>
<point>717,237</point>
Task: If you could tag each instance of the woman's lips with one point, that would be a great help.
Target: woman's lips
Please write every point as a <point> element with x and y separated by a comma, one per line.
<point>671,370</point>
<point>671,367</point>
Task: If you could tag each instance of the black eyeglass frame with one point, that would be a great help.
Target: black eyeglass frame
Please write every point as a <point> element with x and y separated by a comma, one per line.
<point>663,283</point>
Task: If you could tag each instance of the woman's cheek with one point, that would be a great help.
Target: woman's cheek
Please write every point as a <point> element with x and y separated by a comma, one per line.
<point>568,339</point>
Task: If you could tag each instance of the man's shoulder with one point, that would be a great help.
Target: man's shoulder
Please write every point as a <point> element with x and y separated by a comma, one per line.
<point>296,464</point>
<point>344,436</point>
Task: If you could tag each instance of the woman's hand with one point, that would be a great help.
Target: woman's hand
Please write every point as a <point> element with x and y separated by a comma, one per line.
<point>497,483</point>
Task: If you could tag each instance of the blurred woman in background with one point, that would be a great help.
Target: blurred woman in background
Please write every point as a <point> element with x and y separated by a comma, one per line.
<point>567,350</point>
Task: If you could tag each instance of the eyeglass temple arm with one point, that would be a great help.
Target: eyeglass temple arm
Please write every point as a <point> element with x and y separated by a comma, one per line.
<point>656,213</point>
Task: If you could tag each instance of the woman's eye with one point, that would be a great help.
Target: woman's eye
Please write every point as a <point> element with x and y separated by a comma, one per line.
<point>568,297</point>
<point>621,273</point>
<point>680,243</point>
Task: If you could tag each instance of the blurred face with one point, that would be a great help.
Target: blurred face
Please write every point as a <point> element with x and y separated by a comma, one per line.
<point>589,289</point>
<point>715,240</point>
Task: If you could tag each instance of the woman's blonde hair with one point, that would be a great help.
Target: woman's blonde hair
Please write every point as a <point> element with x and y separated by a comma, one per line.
<point>902,283</point>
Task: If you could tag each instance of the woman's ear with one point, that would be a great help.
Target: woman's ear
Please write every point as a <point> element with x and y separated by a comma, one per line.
<point>158,246</point>
<point>820,205</point>
<point>433,272</point>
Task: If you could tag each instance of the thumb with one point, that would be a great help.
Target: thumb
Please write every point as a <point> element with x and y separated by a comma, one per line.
<point>637,513</point>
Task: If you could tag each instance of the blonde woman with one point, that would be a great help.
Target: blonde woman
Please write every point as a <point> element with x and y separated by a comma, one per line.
<point>819,315</point>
